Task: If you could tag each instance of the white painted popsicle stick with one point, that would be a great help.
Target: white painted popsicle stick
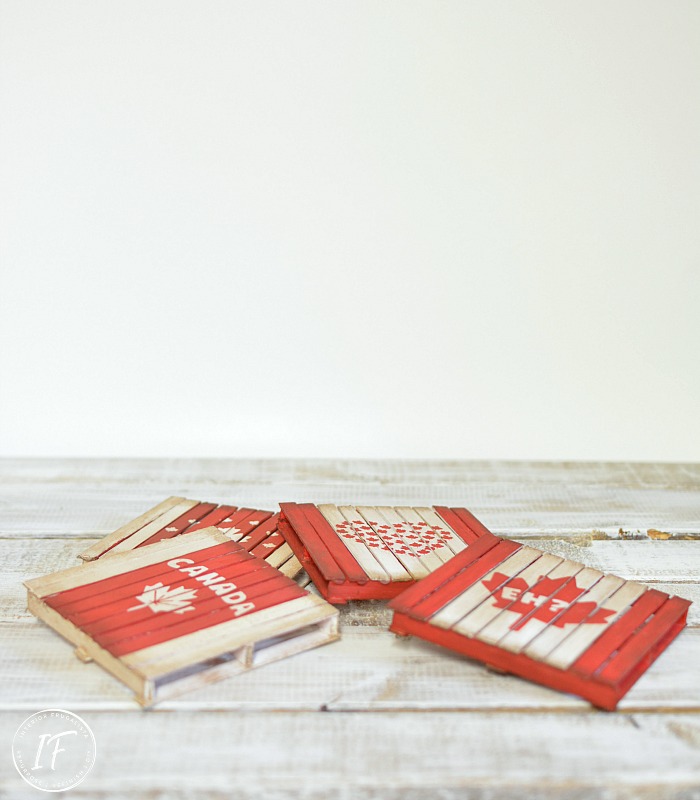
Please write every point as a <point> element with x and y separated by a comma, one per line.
<point>497,621</point>
<point>418,526</point>
<point>553,635</point>
<point>579,640</point>
<point>438,524</point>
<point>453,612</point>
<point>358,549</point>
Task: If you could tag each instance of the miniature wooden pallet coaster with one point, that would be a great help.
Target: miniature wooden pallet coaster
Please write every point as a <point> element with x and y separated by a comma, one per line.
<point>363,552</point>
<point>541,617</point>
<point>255,530</point>
<point>181,613</point>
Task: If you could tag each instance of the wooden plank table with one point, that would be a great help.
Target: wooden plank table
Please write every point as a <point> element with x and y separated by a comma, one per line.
<point>371,715</point>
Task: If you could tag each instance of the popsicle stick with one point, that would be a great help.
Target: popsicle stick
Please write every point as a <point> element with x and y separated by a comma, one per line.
<point>580,639</point>
<point>342,556</point>
<point>618,633</point>
<point>352,539</point>
<point>475,526</point>
<point>91,599</point>
<point>499,619</point>
<point>168,657</point>
<point>218,515</point>
<point>262,532</point>
<point>409,559</point>
<point>280,555</point>
<point>557,630</point>
<point>421,592</point>
<point>640,650</point>
<point>459,613</point>
<point>136,637</point>
<point>381,552</point>
<point>108,542</point>
<point>572,576</point>
<point>437,524</point>
<point>309,538</point>
<point>145,533</point>
<point>420,543</point>
<point>113,566</point>
<point>181,524</point>
<point>427,537</point>
<point>445,594</point>
<point>291,568</point>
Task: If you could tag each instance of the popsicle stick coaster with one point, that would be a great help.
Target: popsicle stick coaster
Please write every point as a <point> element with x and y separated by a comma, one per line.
<point>181,613</point>
<point>541,617</point>
<point>255,530</point>
<point>363,552</point>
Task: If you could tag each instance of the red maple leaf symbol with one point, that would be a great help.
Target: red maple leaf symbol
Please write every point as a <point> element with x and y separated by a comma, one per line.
<point>545,600</point>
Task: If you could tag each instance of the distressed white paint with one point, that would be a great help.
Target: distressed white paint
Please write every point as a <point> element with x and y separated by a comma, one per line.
<point>449,706</point>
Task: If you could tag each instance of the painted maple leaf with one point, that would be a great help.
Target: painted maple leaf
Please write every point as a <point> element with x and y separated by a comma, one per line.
<point>545,600</point>
<point>162,598</point>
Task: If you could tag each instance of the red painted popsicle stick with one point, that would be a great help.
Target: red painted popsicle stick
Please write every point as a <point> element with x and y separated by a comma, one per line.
<point>143,573</point>
<point>180,524</point>
<point>313,543</point>
<point>445,594</point>
<point>178,629</point>
<point>261,533</point>
<point>219,514</point>
<point>342,556</point>
<point>90,609</point>
<point>642,646</point>
<point>422,589</point>
<point>468,532</point>
<point>618,633</point>
<point>131,623</point>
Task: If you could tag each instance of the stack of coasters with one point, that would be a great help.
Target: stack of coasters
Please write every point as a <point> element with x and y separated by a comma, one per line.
<point>368,552</point>
<point>181,613</point>
<point>542,617</point>
<point>255,530</point>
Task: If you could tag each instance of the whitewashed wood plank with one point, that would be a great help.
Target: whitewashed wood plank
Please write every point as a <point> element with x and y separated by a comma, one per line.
<point>328,471</point>
<point>79,497</point>
<point>317,756</point>
<point>368,669</point>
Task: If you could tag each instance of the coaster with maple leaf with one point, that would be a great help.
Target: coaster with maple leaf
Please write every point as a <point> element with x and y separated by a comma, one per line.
<point>374,552</point>
<point>181,613</point>
<point>255,530</point>
<point>542,617</point>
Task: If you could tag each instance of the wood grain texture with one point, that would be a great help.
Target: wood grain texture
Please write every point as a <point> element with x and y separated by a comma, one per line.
<point>315,756</point>
<point>75,497</point>
<point>433,723</point>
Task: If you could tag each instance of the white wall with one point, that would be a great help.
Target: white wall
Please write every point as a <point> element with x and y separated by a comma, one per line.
<point>439,229</point>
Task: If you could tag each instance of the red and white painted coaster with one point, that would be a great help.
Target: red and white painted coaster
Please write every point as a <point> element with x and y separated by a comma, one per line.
<point>255,530</point>
<point>181,613</point>
<point>363,552</point>
<point>542,617</point>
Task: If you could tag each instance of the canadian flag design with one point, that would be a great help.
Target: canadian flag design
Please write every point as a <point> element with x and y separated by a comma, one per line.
<point>164,600</point>
<point>545,600</point>
<point>543,617</point>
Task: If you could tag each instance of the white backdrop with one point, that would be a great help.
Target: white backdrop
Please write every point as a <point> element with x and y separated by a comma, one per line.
<point>412,229</point>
